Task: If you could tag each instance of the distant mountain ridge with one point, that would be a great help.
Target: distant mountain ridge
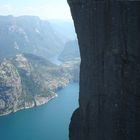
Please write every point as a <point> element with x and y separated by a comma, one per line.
<point>65,29</point>
<point>28,74</point>
<point>70,51</point>
<point>28,34</point>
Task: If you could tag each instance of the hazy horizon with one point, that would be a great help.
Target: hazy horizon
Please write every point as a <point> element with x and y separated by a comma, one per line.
<point>45,9</point>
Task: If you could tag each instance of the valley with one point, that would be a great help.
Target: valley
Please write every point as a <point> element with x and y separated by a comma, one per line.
<point>29,71</point>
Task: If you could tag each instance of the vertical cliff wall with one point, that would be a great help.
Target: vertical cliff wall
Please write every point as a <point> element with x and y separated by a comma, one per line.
<point>109,38</point>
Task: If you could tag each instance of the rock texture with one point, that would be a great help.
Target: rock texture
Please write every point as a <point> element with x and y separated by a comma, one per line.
<point>109,38</point>
<point>10,88</point>
<point>28,80</point>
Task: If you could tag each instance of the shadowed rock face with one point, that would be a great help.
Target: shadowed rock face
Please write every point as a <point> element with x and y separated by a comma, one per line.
<point>109,38</point>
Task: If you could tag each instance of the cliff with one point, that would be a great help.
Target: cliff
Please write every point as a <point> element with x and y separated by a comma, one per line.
<point>28,80</point>
<point>109,38</point>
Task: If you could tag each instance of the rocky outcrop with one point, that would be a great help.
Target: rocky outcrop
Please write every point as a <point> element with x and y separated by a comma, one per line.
<point>109,38</point>
<point>10,88</point>
<point>28,80</point>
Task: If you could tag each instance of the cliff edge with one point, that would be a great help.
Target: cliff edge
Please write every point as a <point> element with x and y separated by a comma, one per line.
<point>109,38</point>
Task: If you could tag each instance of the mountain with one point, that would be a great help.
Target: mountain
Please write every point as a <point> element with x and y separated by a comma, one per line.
<point>28,80</point>
<point>70,51</point>
<point>28,34</point>
<point>73,69</point>
<point>64,29</point>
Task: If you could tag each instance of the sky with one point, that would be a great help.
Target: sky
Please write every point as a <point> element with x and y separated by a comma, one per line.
<point>45,9</point>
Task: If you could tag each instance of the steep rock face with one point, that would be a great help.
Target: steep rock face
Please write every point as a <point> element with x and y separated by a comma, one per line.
<point>109,38</point>
<point>27,80</point>
<point>10,88</point>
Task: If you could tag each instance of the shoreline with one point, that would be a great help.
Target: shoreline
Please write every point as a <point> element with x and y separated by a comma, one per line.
<point>29,107</point>
<point>35,102</point>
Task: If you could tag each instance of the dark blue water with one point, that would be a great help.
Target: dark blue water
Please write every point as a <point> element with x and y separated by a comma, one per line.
<point>47,122</point>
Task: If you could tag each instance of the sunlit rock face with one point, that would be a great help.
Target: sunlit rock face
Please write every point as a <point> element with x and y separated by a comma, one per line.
<point>109,38</point>
<point>27,80</point>
<point>10,88</point>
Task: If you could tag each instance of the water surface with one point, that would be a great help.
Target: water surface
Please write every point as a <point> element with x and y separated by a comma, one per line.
<point>47,122</point>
